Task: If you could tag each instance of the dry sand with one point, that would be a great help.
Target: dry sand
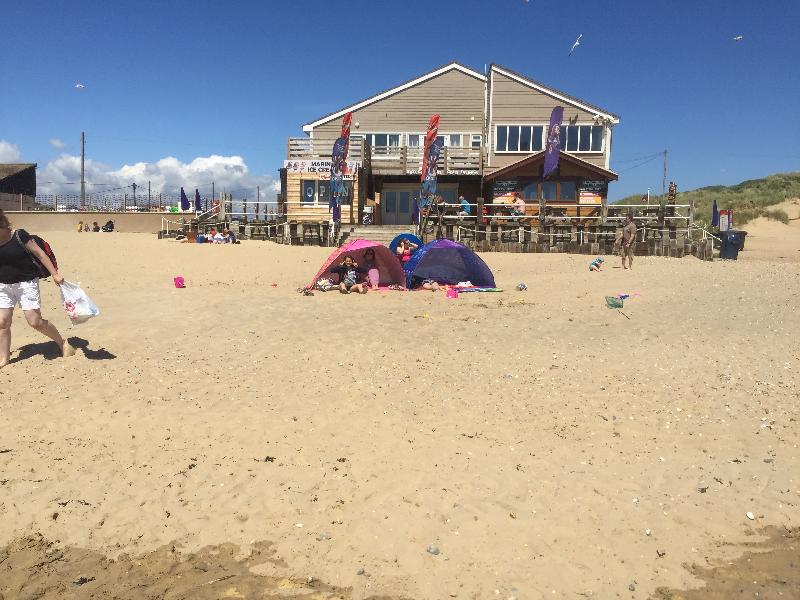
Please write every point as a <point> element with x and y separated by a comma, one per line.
<point>530,437</point>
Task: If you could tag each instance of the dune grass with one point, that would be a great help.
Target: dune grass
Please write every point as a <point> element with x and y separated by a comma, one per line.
<point>750,199</point>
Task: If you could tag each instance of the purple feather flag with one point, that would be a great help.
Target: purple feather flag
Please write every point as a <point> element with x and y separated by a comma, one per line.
<point>415,212</point>
<point>714,215</point>
<point>337,211</point>
<point>185,204</point>
<point>197,204</point>
<point>553,137</point>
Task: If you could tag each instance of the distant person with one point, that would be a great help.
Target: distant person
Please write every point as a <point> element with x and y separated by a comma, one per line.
<point>109,226</point>
<point>419,283</point>
<point>19,285</point>
<point>229,237</point>
<point>96,227</point>
<point>87,228</point>
<point>80,226</point>
<point>348,272</point>
<point>628,242</point>
<point>466,209</point>
<point>518,206</point>
<point>597,264</point>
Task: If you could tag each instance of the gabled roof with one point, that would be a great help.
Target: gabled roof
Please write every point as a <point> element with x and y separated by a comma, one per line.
<point>454,66</point>
<point>9,169</point>
<point>554,93</point>
<point>562,156</point>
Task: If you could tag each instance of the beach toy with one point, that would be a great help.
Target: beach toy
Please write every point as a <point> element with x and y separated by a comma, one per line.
<point>613,302</point>
<point>521,286</point>
<point>179,282</point>
<point>452,293</point>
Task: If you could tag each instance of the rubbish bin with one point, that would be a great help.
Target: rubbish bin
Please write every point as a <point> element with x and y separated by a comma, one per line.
<point>731,240</point>
<point>742,236</point>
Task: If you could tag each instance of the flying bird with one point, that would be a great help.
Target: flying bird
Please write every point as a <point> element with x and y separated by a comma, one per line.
<point>79,86</point>
<point>575,45</point>
<point>738,38</point>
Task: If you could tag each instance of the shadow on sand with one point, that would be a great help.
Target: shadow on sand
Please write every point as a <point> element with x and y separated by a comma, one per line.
<point>50,351</point>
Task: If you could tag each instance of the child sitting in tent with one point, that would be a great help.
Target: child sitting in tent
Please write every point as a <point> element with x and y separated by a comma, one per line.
<point>348,276</point>
<point>596,264</point>
<point>373,275</point>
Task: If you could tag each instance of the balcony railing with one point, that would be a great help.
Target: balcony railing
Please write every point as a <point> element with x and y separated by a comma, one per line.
<point>391,160</point>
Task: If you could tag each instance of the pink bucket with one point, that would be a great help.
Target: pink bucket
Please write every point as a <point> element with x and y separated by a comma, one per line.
<point>179,282</point>
<point>452,293</point>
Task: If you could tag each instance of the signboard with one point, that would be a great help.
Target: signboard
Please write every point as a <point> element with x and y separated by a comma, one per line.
<point>503,191</point>
<point>320,167</point>
<point>589,198</point>
<point>598,187</point>
<point>725,220</point>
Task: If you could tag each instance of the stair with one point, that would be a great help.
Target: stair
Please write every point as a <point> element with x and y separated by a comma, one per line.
<point>382,234</point>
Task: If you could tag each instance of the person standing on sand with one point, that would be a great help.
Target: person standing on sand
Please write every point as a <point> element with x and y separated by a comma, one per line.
<point>628,242</point>
<point>19,284</point>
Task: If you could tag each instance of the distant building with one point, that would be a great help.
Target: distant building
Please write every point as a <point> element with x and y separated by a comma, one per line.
<point>493,129</point>
<point>18,179</point>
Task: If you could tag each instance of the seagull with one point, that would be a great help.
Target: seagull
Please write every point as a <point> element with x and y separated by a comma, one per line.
<point>79,86</point>
<point>575,45</point>
<point>738,38</point>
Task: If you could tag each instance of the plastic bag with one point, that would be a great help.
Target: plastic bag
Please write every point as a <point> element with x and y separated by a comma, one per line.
<point>77,303</point>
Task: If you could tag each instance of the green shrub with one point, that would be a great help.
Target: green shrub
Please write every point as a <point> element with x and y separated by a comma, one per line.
<point>777,215</point>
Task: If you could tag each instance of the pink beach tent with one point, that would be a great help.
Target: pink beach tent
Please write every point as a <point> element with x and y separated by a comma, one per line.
<point>389,268</point>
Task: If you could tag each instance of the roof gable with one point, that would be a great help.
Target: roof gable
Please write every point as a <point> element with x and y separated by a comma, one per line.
<point>554,93</point>
<point>454,66</point>
<point>539,157</point>
<point>9,169</point>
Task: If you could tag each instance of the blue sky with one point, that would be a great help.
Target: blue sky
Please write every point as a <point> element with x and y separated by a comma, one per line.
<point>197,79</point>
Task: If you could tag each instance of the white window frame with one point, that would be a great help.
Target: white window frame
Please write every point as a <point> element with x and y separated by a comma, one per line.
<point>544,127</point>
<point>494,149</point>
<point>590,125</point>
<point>473,137</point>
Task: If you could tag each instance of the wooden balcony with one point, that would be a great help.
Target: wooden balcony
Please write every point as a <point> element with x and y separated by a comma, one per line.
<point>390,160</point>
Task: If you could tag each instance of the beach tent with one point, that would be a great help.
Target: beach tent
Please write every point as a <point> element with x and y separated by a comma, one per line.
<point>404,236</point>
<point>389,268</point>
<point>449,263</point>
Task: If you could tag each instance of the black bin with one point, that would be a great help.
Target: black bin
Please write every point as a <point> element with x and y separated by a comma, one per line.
<point>742,236</point>
<point>731,241</point>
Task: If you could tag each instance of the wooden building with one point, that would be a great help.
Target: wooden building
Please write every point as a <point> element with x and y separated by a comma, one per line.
<point>490,125</point>
<point>18,186</point>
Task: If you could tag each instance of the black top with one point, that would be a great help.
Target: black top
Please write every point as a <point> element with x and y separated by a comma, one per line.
<point>16,264</point>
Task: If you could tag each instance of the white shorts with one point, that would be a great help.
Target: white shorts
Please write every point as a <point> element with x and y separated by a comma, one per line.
<point>25,294</point>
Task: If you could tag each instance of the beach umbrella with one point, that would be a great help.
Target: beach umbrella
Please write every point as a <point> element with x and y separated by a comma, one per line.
<point>553,139</point>
<point>714,215</point>
<point>197,203</point>
<point>185,204</point>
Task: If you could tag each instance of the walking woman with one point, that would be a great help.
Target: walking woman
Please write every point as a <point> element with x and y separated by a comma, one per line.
<point>19,285</point>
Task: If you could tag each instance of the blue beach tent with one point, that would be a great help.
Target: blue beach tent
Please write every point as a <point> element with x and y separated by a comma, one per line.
<point>448,263</point>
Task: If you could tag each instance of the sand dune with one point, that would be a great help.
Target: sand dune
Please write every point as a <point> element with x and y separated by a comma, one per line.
<point>531,437</point>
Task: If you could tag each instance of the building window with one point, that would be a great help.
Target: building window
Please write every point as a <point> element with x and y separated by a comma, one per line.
<point>317,191</point>
<point>413,140</point>
<point>308,191</point>
<point>581,138</point>
<point>519,138</point>
<point>476,141</point>
<point>530,191</point>
<point>567,190</point>
<point>548,190</point>
<point>455,140</point>
<point>383,140</point>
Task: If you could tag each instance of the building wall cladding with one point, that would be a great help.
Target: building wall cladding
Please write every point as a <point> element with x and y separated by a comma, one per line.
<point>18,179</point>
<point>457,97</point>
<point>513,103</point>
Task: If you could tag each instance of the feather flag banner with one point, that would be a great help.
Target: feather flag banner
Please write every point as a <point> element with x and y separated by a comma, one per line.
<point>553,141</point>
<point>430,138</point>
<point>339,153</point>
<point>197,204</point>
<point>185,204</point>
<point>430,174</point>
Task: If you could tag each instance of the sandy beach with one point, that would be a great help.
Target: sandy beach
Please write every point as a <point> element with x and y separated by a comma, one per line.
<point>402,445</point>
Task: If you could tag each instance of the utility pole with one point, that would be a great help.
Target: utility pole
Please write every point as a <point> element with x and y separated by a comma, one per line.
<point>213,195</point>
<point>134,194</point>
<point>83,180</point>
<point>149,206</point>
<point>664,180</point>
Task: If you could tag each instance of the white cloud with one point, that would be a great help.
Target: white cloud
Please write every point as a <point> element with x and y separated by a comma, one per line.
<point>9,153</point>
<point>57,143</point>
<point>166,176</point>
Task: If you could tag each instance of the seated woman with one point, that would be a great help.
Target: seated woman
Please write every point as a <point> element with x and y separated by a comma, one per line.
<point>418,283</point>
<point>348,272</point>
<point>229,237</point>
<point>373,275</point>
<point>405,249</point>
<point>108,227</point>
<point>218,238</point>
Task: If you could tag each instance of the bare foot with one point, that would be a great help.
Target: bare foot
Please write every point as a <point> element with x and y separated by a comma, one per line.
<point>67,350</point>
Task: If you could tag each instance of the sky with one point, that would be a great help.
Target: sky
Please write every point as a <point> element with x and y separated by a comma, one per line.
<point>183,93</point>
